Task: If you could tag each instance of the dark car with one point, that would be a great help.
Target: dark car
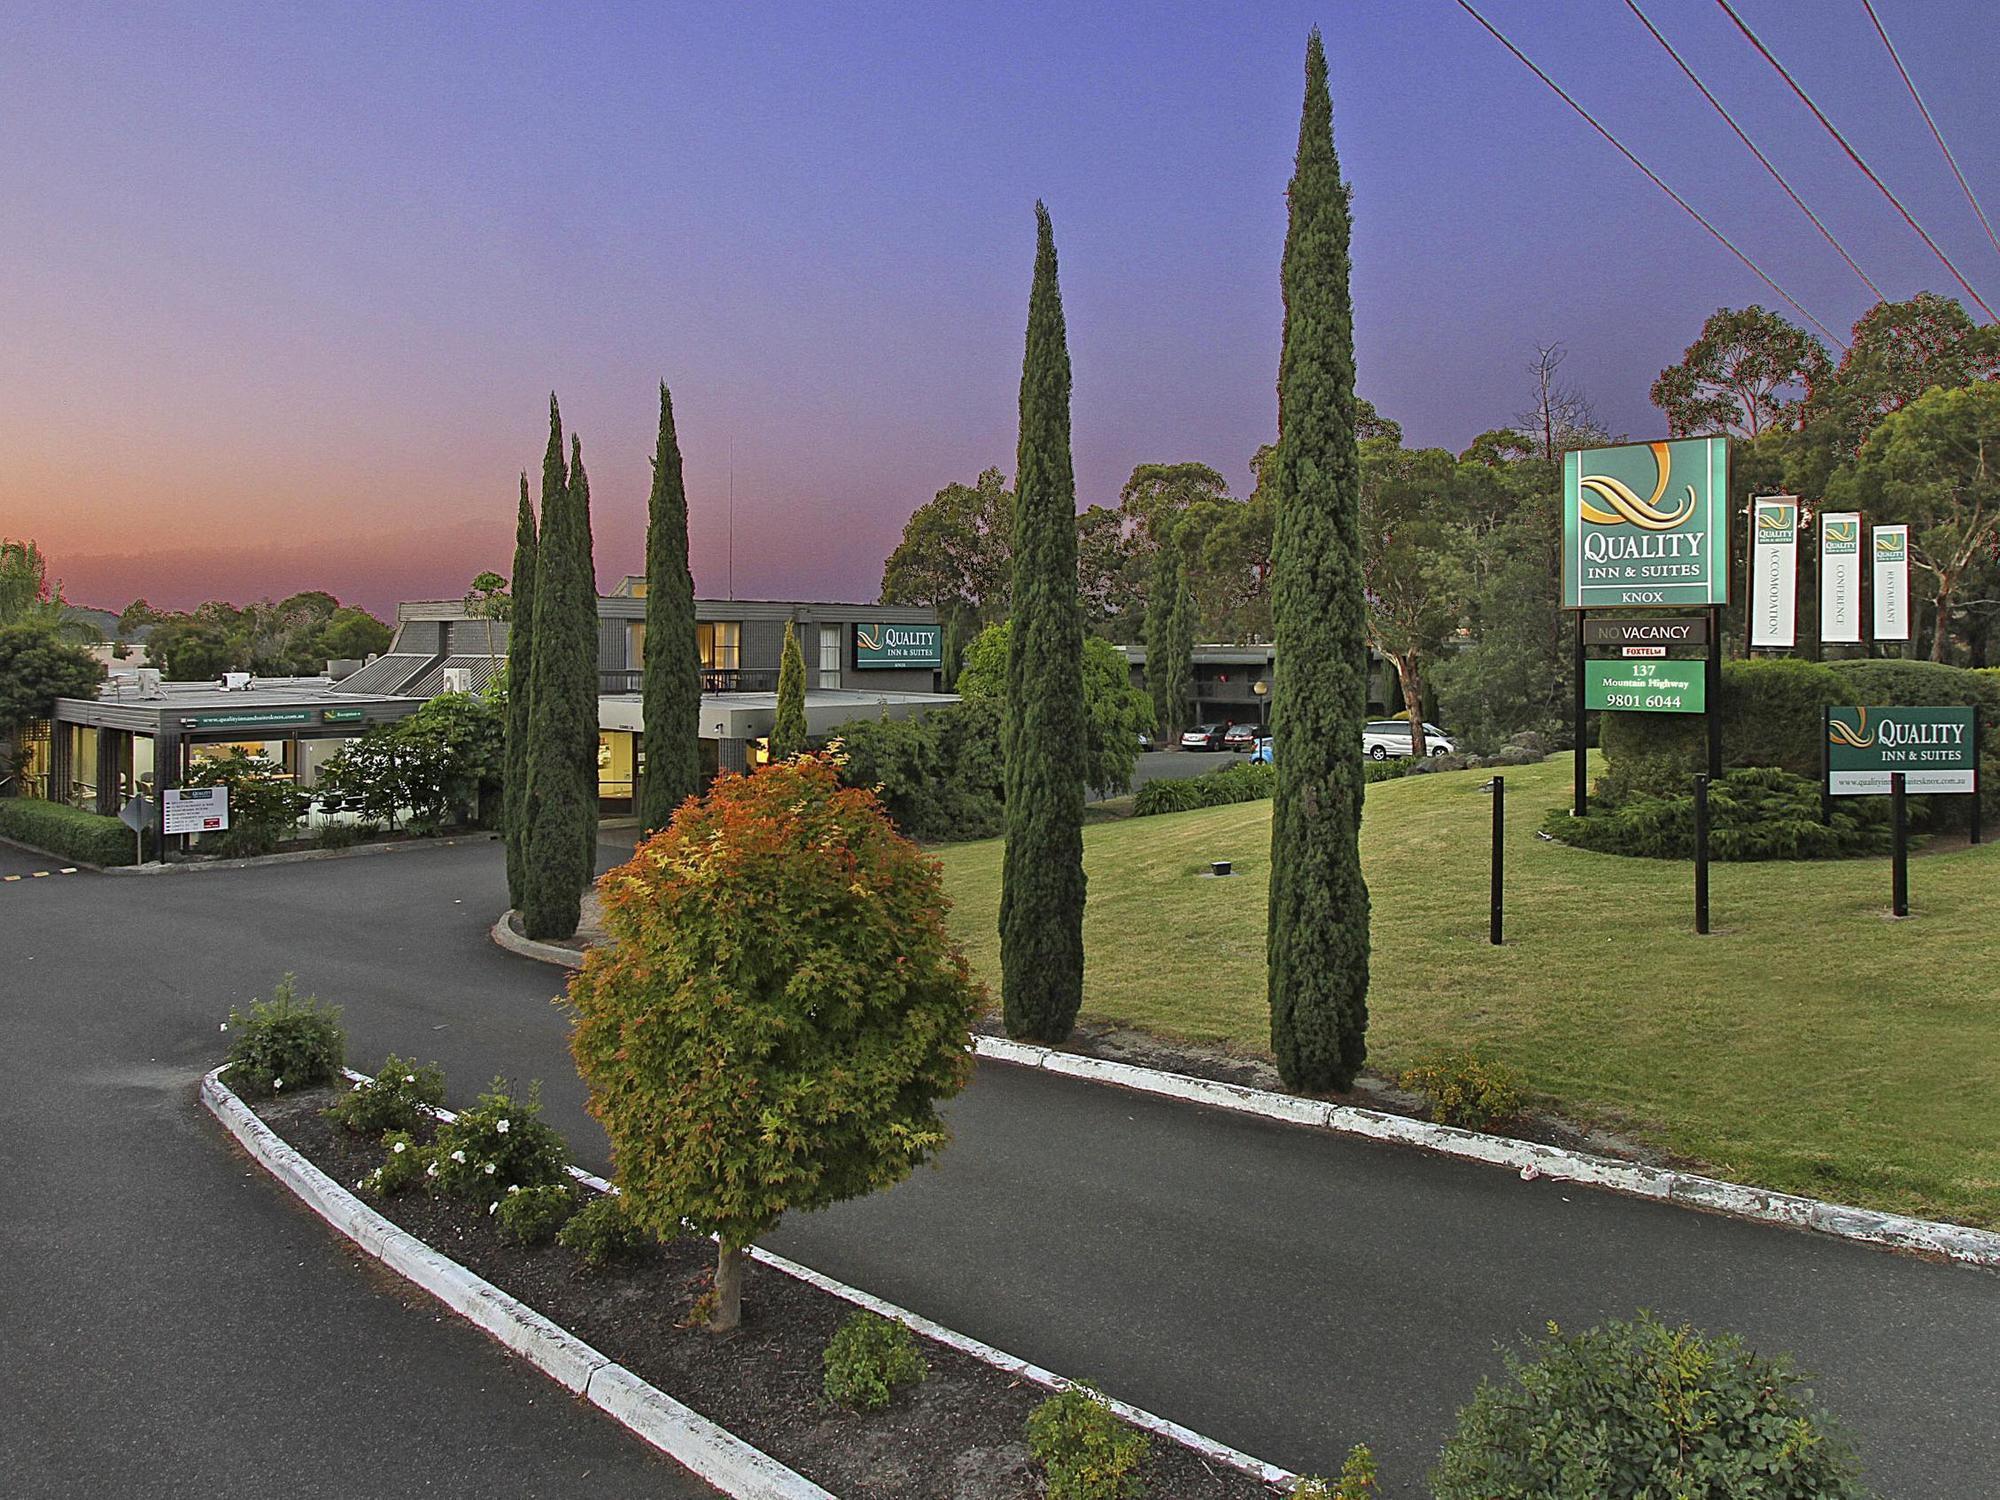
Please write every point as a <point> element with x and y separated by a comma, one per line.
<point>1241,737</point>
<point>1204,737</point>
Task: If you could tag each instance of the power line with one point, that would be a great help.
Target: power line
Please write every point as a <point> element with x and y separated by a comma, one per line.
<point>1589,119</point>
<point>1936,134</point>
<point>1855,157</point>
<point>1776,175</point>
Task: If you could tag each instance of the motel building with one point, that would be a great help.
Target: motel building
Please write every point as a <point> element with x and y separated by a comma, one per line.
<point>863,661</point>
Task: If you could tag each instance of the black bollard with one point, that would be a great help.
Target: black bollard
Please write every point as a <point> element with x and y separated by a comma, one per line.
<point>1499,854</point>
<point>1899,822</point>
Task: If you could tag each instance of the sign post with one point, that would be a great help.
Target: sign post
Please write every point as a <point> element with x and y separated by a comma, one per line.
<point>1499,836</point>
<point>1646,525</point>
<point>194,809</point>
<point>138,814</point>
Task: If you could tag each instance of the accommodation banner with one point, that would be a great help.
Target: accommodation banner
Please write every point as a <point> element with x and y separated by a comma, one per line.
<point>1774,572</point>
<point>1840,577</point>
<point>1892,583</point>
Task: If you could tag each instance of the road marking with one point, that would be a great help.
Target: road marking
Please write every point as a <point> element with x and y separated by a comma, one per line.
<point>67,870</point>
<point>39,874</point>
<point>9,877</point>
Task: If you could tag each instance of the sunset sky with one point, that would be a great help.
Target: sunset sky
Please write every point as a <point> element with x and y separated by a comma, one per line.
<point>283,289</point>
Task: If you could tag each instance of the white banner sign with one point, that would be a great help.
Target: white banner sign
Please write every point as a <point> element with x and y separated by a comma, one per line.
<point>1840,577</point>
<point>194,809</point>
<point>1892,583</point>
<point>1774,572</point>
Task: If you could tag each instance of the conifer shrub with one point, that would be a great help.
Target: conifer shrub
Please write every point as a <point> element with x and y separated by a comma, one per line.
<point>284,1043</point>
<point>778,1013</point>
<point>602,1232</point>
<point>867,1358</point>
<point>1643,1409</point>
<point>397,1098</point>
<point>1755,813</point>
<point>1085,1451</point>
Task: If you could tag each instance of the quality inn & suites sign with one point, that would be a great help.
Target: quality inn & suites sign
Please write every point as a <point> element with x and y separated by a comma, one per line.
<point>1646,523</point>
<point>920,645</point>
<point>1936,749</point>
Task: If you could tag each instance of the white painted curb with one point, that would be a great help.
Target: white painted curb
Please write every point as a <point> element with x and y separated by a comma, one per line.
<point>1973,1247</point>
<point>548,953</point>
<point>684,1435</point>
<point>1138,1416</point>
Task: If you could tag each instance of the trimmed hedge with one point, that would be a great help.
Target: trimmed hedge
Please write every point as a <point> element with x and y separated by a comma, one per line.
<point>1244,783</point>
<point>68,831</point>
<point>1754,812</point>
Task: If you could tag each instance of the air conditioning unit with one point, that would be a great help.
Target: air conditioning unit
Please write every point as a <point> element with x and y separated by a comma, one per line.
<point>458,679</point>
<point>149,680</point>
<point>235,682</point>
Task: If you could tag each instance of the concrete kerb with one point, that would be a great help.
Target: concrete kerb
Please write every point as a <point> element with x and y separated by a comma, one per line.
<point>1956,1242</point>
<point>690,1439</point>
<point>296,856</point>
<point>548,953</point>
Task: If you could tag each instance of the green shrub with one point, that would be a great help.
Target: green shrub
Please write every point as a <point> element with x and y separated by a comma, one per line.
<point>602,1232</point>
<point>338,835</point>
<point>534,1216</point>
<point>1373,771</point>
<point>1356,1481</point>
<point>1085,1451</point>
<point>1643,1409</point>
<point>1465,1090</point>
<point>403,1166</point>
<point>501,1142</point>
<point>396,1098</point>
<point>1250,782</point>
<point>1754,813</point>
<point>70,832</point>
<point>1771,716</point>
<point>867,1358</point>
<point>939,776</point>
<point>284,1043</point>
<point>265,805</point>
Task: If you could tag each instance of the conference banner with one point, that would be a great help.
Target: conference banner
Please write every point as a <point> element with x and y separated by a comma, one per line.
<point>1646,523</point>
<point>1774,571</point>
<point>1892,583</point>
<point>1840,577</point>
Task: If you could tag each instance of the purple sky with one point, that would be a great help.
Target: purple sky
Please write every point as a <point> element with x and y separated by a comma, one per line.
<point>283,289</point>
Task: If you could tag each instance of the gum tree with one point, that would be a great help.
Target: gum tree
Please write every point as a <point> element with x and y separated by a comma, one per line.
<point>1317,945</point>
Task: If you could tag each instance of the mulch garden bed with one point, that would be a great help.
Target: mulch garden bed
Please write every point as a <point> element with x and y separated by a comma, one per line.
<point>959,1435</point>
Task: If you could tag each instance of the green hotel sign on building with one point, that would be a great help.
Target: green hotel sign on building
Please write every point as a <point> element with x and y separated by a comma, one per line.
<point>919,645</point>
<point>1646,524</point>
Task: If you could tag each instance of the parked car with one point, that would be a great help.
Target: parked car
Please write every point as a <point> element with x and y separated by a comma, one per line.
<point>1241,737</point>
<point>1261,756</point>
<point>1145,739</point>
<point>1382,738</point>
<point>1204,737</point>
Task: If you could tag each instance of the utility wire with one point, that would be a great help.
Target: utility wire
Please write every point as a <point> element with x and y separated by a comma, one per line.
<point>1776,175</point>
<point>1589,119</point>
<point>1936,134</point>
<point>1855,157</point>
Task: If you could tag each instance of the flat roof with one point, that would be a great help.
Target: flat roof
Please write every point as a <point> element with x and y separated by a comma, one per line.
<point>121,703</point>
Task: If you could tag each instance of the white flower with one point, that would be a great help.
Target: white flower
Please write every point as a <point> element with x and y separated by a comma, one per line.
<point>459,1157</point>
<point>409,1078</point>
<point>491,1206</point>
<point>223,1027</point>
<point>513,1188</point>
<point>401,1147</point>
<point>431,1170</point>
<point>277,1083</point>
<point>489,1169</point>
<point>357,1088</point>
<point>501,1127</point>
<point>362,1183</point>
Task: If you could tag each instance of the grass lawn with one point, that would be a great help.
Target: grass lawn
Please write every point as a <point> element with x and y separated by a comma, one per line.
<point>1810,1044</point>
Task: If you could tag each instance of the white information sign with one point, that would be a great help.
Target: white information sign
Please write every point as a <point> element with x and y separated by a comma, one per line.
<point>1892,583</point>
<point>194,809</point>
<point>1774,571</point>
<point>1840,577</point>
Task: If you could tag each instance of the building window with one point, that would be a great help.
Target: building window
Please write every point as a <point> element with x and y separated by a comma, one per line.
<point>82,790</point>
<point>37,752</point>
<point>721,645</point>
<point>829,655</point>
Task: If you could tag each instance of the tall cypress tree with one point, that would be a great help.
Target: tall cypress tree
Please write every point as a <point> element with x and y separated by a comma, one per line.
<point>1317,944</point>
<point>1170,624</point>
<point>672,666</point>
<point>1042,883</point>
<point>520,664</point>
<point>788,733</point>
<point>562,716</point>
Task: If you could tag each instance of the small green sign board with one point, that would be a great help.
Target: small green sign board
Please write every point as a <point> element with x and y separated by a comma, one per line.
<point>342,715</point>
<point>1646,523</point>
<point>1656,687</point>
<point>266,719</point>
<point>899,645</point>
<point>1934,748</point>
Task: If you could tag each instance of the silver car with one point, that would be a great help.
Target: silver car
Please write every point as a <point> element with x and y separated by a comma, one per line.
<point>1382,738</point>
